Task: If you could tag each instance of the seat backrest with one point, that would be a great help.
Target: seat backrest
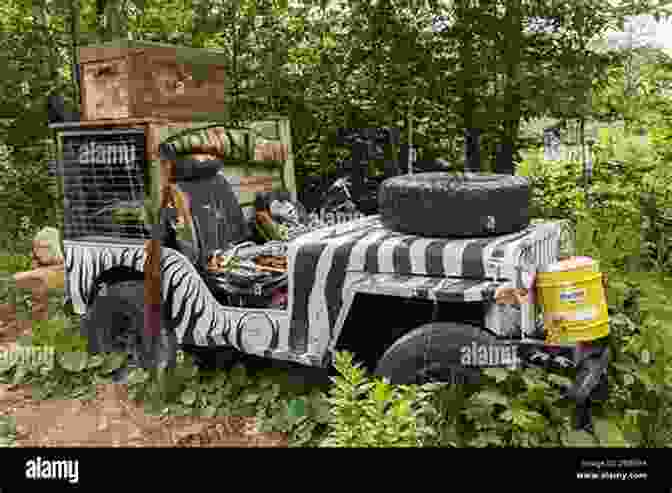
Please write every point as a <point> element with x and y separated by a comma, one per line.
<point>214,206</point>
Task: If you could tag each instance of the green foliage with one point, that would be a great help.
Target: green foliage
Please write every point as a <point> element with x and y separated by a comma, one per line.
<point>62,334</point>
<point>520,409</point>
<point>57,375</point>
<point>324,65</point>
<point>27,198</point>
<point>661,140</point>
<point>625,220</point>
<point>638,88</point>
<point>12,263</point>
<point>556,188</point>
<point>641,372</point>
<point>184,391</point>
<point>628,229</point>
<point>366,413</point>
<point>7,431</point>
<point>304,419</point>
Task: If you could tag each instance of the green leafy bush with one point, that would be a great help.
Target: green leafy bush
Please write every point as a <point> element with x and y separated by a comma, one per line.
<point>303,418</point>
<point>641,372</point>
<point>628,228</point>
<point>661,141</point>
<point>62,334</point>
<point>7,431</point>
<point>556,188</point>
<point>28,197</point>
<point>373,413</point>
<point>625,219</point>
<point>53,374</point>
<point>12,263</point>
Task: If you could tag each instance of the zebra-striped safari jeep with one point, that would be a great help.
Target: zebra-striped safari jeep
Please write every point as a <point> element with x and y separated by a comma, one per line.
<point>433,287</point>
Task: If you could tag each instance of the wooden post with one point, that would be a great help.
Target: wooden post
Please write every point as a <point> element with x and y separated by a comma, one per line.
<point>152,267</point>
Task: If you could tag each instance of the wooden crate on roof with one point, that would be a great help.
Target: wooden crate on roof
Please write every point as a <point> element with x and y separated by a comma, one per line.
<point>130,79</point>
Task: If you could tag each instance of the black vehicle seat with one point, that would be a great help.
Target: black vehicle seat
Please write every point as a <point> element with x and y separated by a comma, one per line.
<point>217,213</point>
<point>221,225</point>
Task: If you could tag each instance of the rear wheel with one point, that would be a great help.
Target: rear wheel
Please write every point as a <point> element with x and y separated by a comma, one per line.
<point>435,352</point>
<point>115,323</point>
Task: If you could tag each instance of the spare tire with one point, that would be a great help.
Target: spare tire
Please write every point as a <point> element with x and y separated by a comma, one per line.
<point>442,204</point>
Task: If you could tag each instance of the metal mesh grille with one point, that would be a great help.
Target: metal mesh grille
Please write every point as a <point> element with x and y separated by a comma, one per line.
<point>103,172</point>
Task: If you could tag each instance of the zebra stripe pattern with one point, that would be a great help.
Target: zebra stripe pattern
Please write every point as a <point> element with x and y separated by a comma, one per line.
<point>193,313</point>
<point>212,140</point>
<point>326,268</point>
<point>397,263</point>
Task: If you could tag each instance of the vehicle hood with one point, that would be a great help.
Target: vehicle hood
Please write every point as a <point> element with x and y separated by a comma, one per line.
<point>366,245</point>
<point>320,261</point>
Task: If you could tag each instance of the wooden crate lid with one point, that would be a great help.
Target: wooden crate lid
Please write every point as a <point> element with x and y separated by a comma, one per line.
<point>123,47</point>
<point>123,122</point>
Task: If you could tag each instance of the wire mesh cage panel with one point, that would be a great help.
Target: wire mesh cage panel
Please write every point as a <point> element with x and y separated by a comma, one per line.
<point>103,184</point>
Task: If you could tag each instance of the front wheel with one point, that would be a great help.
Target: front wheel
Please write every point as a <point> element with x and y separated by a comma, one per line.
<point>115,323</point>
<point>435,352</point>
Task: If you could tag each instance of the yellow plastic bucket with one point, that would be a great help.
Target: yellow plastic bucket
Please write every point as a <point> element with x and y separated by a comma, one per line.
<point>572,297</point>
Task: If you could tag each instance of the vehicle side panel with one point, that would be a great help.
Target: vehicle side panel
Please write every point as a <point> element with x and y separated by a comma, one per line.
<point>192,311</point>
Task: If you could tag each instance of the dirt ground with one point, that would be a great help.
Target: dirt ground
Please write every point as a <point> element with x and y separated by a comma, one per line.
<point>112,420</point>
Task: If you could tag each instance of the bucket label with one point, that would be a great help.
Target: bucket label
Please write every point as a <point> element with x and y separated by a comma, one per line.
<point>573,296</point>
<point>585,315</point>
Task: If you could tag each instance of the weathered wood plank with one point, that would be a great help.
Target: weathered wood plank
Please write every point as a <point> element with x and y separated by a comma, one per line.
<point>254,184</point>
<point>127,79</point>
<point>109,122</point>
<point>180,53</point>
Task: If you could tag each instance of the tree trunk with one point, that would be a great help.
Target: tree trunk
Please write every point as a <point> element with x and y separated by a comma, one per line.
<point>472,150</point>
<point>101,28</point>
<point>235,49</point>
<point>466,54</point>
<point>468,96</point>
<point>152,266</point>
<point>75,35</point>
<point>50,54</point>
<point>582,139</point>
<point>117,26</point>
<point>512,58</point>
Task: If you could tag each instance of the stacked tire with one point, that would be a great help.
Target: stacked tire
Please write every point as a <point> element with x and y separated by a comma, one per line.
<point>446,205</point>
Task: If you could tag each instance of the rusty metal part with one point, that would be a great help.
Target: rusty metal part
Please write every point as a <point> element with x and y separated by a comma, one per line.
<point>271,262</point>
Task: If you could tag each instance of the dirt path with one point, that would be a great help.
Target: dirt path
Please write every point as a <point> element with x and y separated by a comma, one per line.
<point>112,420</point>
